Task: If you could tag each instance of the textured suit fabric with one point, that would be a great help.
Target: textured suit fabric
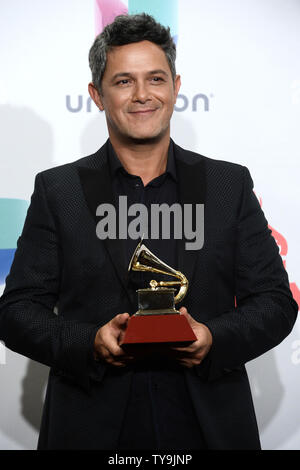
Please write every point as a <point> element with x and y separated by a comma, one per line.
<point>160,414</point>
<point>61,263</point>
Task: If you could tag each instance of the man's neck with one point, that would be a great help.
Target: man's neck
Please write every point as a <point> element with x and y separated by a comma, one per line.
<point>147,160</point>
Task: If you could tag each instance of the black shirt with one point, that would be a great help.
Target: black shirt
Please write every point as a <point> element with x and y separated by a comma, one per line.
<point>160,413</point>
<point>162,189</point>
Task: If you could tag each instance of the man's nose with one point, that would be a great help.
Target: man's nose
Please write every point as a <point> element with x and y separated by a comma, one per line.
<point>141,92</point>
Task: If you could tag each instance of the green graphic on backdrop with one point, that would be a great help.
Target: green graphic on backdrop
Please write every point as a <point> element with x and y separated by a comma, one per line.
<point>12,216</point>
<point>164,11</point>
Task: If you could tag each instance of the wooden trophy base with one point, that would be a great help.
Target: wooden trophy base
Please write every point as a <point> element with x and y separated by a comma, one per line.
<point>171,329</point>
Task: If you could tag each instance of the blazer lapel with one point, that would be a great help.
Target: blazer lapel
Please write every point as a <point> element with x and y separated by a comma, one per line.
<point>192,190</point>
<point>97,189</point>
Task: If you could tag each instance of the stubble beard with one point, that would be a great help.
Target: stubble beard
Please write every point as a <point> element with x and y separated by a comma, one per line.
<point>131,139</point>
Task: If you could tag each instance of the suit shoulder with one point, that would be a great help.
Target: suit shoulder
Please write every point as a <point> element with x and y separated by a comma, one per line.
<point>224,167</point>
<point>211,164</point>
<point>65,172</point>
<point>227,177</point>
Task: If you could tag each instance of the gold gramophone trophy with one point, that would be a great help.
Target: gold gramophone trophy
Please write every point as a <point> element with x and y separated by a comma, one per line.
<point>157,320</point>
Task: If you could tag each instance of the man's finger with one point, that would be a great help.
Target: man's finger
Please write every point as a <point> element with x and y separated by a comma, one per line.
<point>124,361</point>
<point>121,318</point>
<point>186,349</point>
<point>183,310</point>
<point>116,351</point>
<point>182,349</point>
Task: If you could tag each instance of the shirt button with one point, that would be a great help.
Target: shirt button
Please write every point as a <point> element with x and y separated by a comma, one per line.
<point>137,185</point>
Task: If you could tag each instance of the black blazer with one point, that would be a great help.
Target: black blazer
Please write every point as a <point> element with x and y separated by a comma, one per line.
<point>65,283</point>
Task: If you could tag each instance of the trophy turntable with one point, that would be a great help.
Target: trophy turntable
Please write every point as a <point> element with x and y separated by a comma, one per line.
<point>157,320</point>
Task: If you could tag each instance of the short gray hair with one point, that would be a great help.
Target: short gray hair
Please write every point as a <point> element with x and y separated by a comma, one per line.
<point>127,29</point>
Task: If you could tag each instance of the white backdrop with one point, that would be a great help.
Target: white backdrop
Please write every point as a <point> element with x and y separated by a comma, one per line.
<point>242,57</point>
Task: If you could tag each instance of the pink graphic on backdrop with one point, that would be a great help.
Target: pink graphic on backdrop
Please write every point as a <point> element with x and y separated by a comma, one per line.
<point>106,11</point>
<point>283,250</point>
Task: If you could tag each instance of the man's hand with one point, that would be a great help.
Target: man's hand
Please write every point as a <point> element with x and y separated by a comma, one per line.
<point>108,337</point>
<point>194,354</point>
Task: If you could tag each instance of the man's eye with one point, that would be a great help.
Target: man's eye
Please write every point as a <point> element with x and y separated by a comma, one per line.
<point>157,79</point>
<point>124,81</point>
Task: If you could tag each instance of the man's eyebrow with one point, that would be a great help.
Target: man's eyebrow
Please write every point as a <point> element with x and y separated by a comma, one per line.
<point>153,72</point>
<point>121,74</point>
<point>128,74</point>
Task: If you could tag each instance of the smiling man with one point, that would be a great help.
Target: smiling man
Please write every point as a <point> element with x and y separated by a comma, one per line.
<point>68,296</point>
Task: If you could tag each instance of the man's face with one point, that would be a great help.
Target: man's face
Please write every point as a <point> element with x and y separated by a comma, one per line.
<point>138,93</point>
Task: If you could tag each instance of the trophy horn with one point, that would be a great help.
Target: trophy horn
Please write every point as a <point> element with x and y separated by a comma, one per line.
<point>144,260</point>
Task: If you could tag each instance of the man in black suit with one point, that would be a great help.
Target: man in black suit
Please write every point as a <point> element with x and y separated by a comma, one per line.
<point>68,296</point>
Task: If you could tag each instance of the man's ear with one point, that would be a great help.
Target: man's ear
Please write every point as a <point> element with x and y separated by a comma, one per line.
<point>95,95</point>
<point>177,84</point>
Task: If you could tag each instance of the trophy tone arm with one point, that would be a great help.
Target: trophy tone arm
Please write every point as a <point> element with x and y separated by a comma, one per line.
<point>184,284</point>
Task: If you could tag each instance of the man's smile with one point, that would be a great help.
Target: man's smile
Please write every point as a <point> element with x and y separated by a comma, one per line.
<point>141,112</point>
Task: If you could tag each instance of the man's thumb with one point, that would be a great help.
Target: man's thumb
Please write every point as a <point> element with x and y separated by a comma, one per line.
<point>122,318</point>
<point>183,311</point>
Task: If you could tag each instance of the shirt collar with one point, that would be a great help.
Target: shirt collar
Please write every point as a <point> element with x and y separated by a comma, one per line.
<point>116,166</point>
